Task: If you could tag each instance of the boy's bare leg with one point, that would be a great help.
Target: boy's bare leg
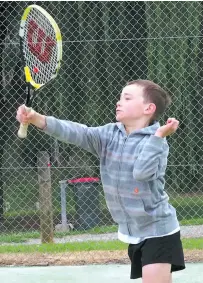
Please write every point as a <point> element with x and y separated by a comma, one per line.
<point>157,273</point>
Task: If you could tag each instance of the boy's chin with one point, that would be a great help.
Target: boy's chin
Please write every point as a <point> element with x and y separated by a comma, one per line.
<point>118,119</point>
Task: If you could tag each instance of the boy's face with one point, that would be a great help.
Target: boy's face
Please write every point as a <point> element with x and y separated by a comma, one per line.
<point>131,106</point>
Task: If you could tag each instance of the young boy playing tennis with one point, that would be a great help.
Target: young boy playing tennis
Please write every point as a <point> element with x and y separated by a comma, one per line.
<point>133,158</point>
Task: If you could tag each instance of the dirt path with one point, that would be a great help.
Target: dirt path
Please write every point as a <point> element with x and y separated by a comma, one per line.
<point>90,257</point>
<point>80,258</point>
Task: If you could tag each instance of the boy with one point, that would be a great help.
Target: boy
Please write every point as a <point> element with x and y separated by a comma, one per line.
<point>133,157</point>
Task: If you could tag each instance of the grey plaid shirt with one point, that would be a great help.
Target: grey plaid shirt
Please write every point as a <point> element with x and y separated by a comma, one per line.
<point>132,171</point>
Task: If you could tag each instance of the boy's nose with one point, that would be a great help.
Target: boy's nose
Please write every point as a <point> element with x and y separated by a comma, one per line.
<point>118,103</point>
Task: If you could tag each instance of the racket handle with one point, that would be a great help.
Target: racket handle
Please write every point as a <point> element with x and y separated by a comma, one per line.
<point>22,132</point>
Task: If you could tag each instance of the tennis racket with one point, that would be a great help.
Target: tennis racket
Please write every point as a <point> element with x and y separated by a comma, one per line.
<point>41,48</point>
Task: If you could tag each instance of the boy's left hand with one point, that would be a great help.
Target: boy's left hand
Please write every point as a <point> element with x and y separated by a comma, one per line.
<point>168,129</point>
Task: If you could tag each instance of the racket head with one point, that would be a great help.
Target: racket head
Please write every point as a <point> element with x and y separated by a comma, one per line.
<point>41,46</point>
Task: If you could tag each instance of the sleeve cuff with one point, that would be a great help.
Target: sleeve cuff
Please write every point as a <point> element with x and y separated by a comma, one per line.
<point>157,141</point>
<point>50,125</point>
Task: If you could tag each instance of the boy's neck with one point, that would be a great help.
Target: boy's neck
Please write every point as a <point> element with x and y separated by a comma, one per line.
<point>137,125</point>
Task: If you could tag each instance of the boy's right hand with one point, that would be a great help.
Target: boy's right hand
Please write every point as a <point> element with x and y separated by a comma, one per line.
<point>31,117</point>
<point>25,117</point>
<point>170,128</point>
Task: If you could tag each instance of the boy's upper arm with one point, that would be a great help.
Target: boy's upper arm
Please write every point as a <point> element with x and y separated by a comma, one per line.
<point>91,139</point>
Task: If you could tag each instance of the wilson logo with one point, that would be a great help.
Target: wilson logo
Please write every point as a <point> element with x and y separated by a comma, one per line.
<point>39,43</point>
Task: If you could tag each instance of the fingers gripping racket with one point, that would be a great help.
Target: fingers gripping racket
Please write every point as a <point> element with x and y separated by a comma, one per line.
<point>41,48</point>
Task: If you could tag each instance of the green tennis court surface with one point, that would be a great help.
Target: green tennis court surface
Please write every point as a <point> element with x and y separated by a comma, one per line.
<point>87,274</point>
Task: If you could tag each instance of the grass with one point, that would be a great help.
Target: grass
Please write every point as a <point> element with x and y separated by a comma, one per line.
<point>68,247</point>
<point>188,208</point>
<point>28,212</point>
<point>191,244</point>
<point>24,236</point>
<point>196,221</point>
<point>189,211</point>
<point>186,200</point>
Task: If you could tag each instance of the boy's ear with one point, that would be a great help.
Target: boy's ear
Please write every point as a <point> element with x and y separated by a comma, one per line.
<point>150,108</point>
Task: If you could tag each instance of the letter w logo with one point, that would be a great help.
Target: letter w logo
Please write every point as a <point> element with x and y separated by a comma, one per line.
<point>39,44</point>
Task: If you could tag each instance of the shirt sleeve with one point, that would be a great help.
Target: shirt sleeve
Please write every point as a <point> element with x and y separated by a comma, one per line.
<point>152,161</point>
<point>88,138</point>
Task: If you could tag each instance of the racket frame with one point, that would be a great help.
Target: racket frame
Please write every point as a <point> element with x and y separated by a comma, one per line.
<point>31,85</point>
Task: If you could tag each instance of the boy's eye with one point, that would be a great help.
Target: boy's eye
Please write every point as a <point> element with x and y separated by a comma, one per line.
<point>127,98</point>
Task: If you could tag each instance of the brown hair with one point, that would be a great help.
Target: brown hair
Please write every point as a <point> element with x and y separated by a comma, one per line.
<point>153,93</point>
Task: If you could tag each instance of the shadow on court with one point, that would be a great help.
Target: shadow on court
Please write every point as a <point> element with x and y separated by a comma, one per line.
<point>87,274</point>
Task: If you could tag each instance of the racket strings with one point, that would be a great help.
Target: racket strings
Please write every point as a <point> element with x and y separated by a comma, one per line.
<point>42,51</point>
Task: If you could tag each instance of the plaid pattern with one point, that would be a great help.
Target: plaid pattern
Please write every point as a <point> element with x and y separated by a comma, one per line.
<point>132,172</point>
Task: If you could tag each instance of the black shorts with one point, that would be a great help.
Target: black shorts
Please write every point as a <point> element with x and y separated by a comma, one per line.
<point>167,249</point>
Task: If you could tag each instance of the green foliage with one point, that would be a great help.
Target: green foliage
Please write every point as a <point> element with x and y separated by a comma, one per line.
<point>191,244</point>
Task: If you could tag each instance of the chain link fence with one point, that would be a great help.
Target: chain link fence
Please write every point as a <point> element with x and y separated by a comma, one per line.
<point>105,44</point>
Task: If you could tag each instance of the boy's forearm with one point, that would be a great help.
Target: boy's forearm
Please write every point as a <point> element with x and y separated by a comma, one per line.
<point>159,134</point>
<point>147,165</point>
<point>70,132</point>
<point>39,120</point>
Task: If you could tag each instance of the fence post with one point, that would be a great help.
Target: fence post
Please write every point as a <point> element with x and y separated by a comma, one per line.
<point>63,185</point>
<point>45,197</point>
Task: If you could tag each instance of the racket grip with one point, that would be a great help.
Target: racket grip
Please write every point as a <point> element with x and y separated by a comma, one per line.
<point>22,132</point>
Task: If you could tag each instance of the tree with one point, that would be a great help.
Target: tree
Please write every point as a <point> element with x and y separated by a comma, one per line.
<point>173,32</point>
